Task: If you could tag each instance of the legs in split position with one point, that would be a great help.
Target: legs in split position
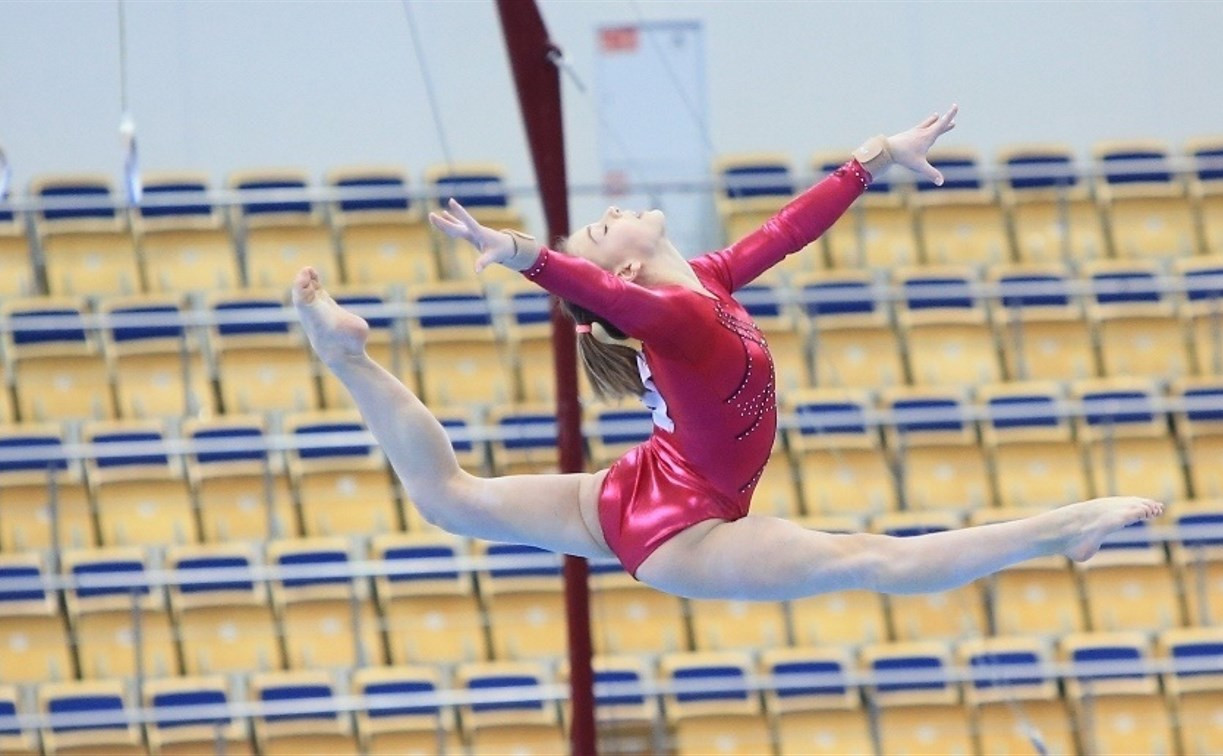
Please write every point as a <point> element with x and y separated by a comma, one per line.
<point>554,512</point>
<point>761,558</point>
<point>766,558</point>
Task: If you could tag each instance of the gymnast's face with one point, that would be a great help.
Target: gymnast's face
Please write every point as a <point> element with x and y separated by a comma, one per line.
<point>619,240</point>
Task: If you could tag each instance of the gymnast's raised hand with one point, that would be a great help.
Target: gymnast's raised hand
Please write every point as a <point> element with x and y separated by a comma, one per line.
<point>674,510</point>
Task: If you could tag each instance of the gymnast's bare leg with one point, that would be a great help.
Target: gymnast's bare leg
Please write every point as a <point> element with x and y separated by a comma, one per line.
<point>766,558</point>
<point>555,512</point>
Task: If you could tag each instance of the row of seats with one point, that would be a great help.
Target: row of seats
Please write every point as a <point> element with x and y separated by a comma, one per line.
<point>229,608</point>
<point>1120,694</point>
<point>841,452</point>
<point>182,239</point>
<point>1039,205</point>
<point>456,344</point>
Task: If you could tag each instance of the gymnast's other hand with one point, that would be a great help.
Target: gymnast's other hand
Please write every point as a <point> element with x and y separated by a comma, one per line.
<point>494,246</point>
<point>909,148</point>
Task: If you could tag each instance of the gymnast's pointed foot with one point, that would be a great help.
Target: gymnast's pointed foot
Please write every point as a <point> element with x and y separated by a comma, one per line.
<point>1085,525</point>
<point>335,334</point>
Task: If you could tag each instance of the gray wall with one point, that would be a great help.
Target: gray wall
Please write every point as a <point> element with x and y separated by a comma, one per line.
<point>221,86</point>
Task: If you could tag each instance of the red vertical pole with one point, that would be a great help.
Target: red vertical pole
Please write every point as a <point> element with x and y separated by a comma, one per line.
<point>539,98</point>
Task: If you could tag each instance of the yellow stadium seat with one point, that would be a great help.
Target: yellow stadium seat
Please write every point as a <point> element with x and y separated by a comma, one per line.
<point>1198,559</point>
<point>814,709</point>
<point>386,343</point>
<point>712,709</point>
<point>842,465</point>
<point>158,363</point>
<point>878,231</point>
<point>241,489</point>
<point>461,359</point>
<point>918,703</point>
<point>732,625</point>
<point>1130,586</point>
<point>1202,310</point>
<point>613,429</point>
<point>32,631</point>
<point>430,607</point>
<point>1146,204</point>
<point>383,234</point>
<point>629,617</point>
<point>282,230</point>
<point>1053,212</point>
<point>524,603</point>
<point>1039,597</point>
<point>840,618</point>
<point>41,492</point>
<point>1041,324</point>
<point>296,722</point>
<point>392,725</point>
<point>946,327</point>
<point>1030,439</point>
<point>1130,450</point>
<point>960,222</point>
<point>1194,685</point>
<point>15,739</point>
<point>471,453</point>
<point>1206,188</point>
<point>1200,429</point>
<point>947,615</point>
<point>184,242</point>
<point>185,720</point>
<point>482,189</point>
<point>140,492</point>
<point>1114,696</point>
<point>941,464</point>
<point>342,482</point>
<point>853,343</point>
<point>529,334</point>
<point>754,186</point>
<point>529,442</point>
<point>1014,698</point>
<point>318,604</point>
<point>87,247</point>
<point>1135,321</point>
<point>105,707</point>
<point>262,361</point>
<point>526,724</point>
<point>626,718</point>
<point>117,614</point>
<point>57,365</point>
<point>225,626</point>
<point>15,260</point>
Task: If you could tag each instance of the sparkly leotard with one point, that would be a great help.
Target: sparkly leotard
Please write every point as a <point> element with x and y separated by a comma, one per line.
<point>707,371</point>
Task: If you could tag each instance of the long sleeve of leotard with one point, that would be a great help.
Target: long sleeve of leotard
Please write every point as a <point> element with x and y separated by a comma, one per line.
<point>795,226</point>
<point>642,313</point>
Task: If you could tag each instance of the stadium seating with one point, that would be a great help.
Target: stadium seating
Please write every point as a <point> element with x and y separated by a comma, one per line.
<point>1054,214</point>
<point>625,719</point>
<point>712,709</point>
<point>15,738</point>
<point>1194,686</point>
<point>878,231</point>
<point>460,357</point>
<point>15,259</point>
<point>1202,310</point>
<point>838,618</point>
<point>1205,184</point>
<point>494,725</point>
<point>525,605</point>
<point>754,186</point>
<point>43,495</point>
<point>782,330</point>
<point>1199,427</point>
<point>430,608</point>
<point>106,702</point>
<point>946,327</point>
<point>529,335</point>
<point>1197,559</point>
<point>529,443</point>
<point>960,222</point>
<point>482,190</point>
<point>392,726</point>
<point>814,710</point>
<point>617,429</point>
<point>1115,699</point>
<point>1130,586</point>
<point>1135,320</point>
<point>918,703</point>
<point>32,631</point>
<point>177,727</point>
<point>281,229</point>
<point>86,244</point>
<point>225,625</point>
<point>729,625</point>
<point>629,617</point>
<point>297,719</point>
<point>383,234</point>
<point>1146,205</point>
<point>1040,324</point>
<point>184,242</point>
<point>853,343</point>
<point>385,343</point>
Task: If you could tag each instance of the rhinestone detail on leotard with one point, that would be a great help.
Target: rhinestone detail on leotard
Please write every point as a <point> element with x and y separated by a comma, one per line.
<point>757,404</point>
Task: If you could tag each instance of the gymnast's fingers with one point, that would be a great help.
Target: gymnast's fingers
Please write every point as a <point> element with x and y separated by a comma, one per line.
<point>465,217</point>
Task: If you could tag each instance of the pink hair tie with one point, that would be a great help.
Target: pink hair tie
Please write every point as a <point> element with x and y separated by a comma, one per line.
<point>582,328</point>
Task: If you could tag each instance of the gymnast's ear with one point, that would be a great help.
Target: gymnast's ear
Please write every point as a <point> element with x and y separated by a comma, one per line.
<point>629,270</point>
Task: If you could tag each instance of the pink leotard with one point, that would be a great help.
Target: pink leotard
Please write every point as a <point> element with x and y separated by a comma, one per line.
<point>707,371</point>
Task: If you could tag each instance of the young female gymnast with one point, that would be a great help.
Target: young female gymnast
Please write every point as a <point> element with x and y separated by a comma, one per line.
<point>674,510</point>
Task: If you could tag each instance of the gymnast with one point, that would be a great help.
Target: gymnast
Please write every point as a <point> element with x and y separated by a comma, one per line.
<point>674,510</point>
